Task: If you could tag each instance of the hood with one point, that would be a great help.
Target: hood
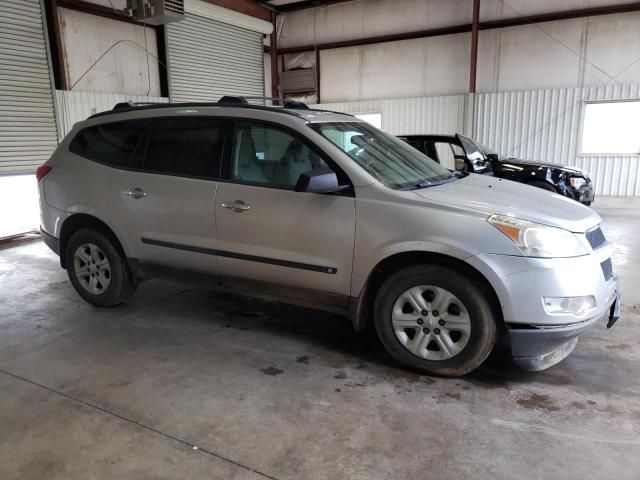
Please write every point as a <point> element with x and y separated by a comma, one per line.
<point>532,163</point>
<point>497,196</point>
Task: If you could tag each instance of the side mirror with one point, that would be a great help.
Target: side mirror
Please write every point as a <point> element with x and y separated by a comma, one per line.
<point>320,180</point>
<point>492,156</point>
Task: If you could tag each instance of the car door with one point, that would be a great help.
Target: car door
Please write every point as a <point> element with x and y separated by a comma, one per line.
<point>169,193</point>
<point>294,244</point>
<point>476,160</point>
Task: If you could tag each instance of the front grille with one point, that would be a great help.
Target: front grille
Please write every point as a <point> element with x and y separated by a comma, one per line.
<point>607,269</point>
<point>596,238</point>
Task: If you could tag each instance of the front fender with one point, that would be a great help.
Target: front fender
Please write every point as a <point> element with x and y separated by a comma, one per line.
<point>364,266</point>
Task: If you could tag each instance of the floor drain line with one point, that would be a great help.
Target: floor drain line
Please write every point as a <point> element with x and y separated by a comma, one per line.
<point>141,425</point>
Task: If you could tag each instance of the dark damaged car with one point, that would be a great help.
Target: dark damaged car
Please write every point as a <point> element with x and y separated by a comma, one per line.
<point>471,156</point>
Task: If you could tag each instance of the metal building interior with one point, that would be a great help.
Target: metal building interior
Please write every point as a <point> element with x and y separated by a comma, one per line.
<point>186,381</point>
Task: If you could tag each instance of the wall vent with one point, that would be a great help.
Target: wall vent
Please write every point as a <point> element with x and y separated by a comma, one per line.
<point>301,80</point>
<point>156,12</point>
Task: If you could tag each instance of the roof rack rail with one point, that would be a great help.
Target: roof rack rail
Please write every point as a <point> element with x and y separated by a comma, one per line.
<point>128,105</point>
<point>288,106</point>
<point>231,99</point>
<point>286,103</point>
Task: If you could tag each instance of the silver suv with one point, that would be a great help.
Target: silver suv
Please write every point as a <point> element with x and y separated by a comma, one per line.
<point>324,210</point>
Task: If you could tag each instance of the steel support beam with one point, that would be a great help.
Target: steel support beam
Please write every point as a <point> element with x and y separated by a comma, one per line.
<point>247,7</point>
<point>317,76</point>
<point>490,25</point>
<point>305,4</point>
<point>563,15</point>
<point>473,62</point>
<point>273,54</point>
<point>435,32</point>
<point>55,45</point>
<point>94,9</point>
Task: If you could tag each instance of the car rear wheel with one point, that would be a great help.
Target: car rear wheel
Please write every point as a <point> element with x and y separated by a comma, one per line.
<point>435,320</point>
<point>97,269</point>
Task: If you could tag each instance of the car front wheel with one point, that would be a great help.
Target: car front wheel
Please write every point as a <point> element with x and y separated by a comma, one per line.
<point>435,320</point>
<point>97,269</point>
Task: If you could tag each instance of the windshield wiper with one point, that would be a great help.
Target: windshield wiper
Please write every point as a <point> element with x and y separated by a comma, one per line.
<point>454,175</point>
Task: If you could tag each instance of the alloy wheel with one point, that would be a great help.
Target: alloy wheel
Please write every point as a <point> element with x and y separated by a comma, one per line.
<point>431,322</point>
<point>92,268</point>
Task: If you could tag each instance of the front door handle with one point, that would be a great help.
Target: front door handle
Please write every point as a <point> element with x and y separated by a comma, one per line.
<point>238,206</point>
<point>136,193</point>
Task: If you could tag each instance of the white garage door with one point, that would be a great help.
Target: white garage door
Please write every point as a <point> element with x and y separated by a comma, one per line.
<point>209,59</point>
<point>27,121</point>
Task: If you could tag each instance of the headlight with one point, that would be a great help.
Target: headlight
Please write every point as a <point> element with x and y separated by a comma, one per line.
<point>577,182</point>
<point>537,240</point>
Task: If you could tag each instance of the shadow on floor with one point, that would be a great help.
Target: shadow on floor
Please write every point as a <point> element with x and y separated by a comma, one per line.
<point>334,333</point>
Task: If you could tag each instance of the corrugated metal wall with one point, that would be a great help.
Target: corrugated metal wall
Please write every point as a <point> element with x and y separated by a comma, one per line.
<point>408,116</point>
<point>546,125</point>
<point>73,107</point>
<point>209,59</point>
<point>27,121</point>
<point>531,124</point>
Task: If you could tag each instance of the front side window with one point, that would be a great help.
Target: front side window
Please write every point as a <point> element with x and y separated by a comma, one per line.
<point>109,143</point>
<point>390,160</point>
<point>190,147</point>
<point>266,155</point>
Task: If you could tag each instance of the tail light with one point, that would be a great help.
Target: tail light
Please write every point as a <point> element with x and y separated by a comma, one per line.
<point>42,171</point>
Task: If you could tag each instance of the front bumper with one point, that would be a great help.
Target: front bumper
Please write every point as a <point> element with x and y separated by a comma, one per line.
<point>539,348</point>
<point>522,282</point>
<point>538,339</point>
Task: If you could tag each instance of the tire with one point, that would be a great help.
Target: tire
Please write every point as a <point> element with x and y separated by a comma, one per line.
<point>473,317</point>
<point>544,186</point>
<point>588,204</point>
<point>101,284</point>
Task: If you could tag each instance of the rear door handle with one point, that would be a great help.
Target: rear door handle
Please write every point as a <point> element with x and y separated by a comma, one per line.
<point>136,193</point>
<point>238,206</point>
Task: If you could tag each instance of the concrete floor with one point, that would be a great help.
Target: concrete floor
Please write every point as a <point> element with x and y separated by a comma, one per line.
<point>268,391</point>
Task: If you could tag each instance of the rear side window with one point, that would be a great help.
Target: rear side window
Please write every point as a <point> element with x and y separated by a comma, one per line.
<point>109,143</point>
<point>189,147</point>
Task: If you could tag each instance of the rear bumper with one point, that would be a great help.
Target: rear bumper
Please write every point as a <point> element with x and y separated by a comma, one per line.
<point>539,348</point>
<point>52,242</point>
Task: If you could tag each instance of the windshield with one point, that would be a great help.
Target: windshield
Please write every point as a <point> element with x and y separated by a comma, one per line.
<point>390,160</point>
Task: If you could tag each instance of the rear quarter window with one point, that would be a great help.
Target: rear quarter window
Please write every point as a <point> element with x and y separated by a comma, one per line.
<point>109,143</point>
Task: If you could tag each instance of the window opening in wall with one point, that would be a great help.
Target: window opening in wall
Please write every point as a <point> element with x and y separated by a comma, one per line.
<point>611,128</point>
